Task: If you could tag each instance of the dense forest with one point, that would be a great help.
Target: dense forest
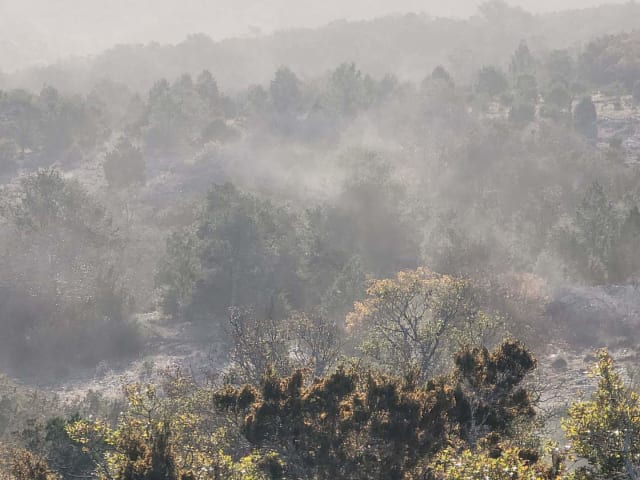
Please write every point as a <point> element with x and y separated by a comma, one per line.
<point>406,248</point>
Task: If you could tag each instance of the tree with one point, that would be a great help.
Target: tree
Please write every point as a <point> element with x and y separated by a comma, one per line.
<point>527,88</point>
<point>440,99</point>
<point>55,129</point>
<point>522,113</point>
<point>353,423</point>
<point>500,13</point>
<point>606,429</point>
<point>304,340</point>
<point>207,87</point>
<point>241,252</point>
<point>369,213</point>
<point>349,424</point>
<point>168,437</point>
<point>522,62</point>
<point>65,288</point>
<point>588,244</point>
<point>439,74</point>
<point>356,423</point>
<point>491,82</point>
<point>161,130</point>
<point>612,59</point>
<point>257,98</point>
<point>491,396</point>
<point>20,121</point>
<point>348,90</point>
<point>258,345</point>
<point>415,320</point>
<point>27,466</point>
<point>559,96</point>
<point>585,118</point>
<point>47,202</point>
<point>316,340</point>
<point>560,67</point>
<point>625,262</point>
<point>63,122</point>
<point>285,90</point>
<point>124,165</point>
<point>178,272</point>
<point>505,464</point>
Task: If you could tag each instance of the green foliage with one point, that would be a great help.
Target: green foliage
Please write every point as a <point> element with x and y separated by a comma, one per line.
<point>240,252</point>
<point>491,82</point>
<point>636,92</point>
<point>284,90</point>
<point>526,88</point>
<point>595,220</point>
<point>357,424</point>
<point>605,430</point>
<point>183,115</point>
<point>559,97</point>
<point>243,251</point>
<point>178,271</point>
<point>49,439</point>
<point>348,90</point>
<point>275,272</point>
<point>501,464</point>
<point>625,264</point>
<point>46,201</point>
<point>439,74</point>
<point>522,113</point>
<point>65,299</point>
<point>597,245</point>
<point>585,118</point>
<point>522,62</point>
<point>207,87</point>
<point>352,423</point>
<point>612,59</point>
<point>560,67</point>
<point>124,166</point>
<point>369,213</point>
<point>47,127</point>
<point>21,408</point>
<point>168,438</point>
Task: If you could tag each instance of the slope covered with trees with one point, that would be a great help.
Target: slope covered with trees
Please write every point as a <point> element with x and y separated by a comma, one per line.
<point>338,267</point>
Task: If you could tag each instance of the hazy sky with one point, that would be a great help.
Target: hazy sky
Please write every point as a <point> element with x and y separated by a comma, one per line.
<point>46,28</point>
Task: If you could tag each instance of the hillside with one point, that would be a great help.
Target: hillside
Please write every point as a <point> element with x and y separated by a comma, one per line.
<point>408,46</point>
<point>405,248</point>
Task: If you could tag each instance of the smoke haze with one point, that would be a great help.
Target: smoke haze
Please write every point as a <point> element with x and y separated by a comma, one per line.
<point>41,31</point>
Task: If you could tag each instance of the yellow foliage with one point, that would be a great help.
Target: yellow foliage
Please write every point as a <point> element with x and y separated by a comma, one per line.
<point>606,430</point>
<point>507,464</point>
<point>171,436</point>
<point>413,321</point>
